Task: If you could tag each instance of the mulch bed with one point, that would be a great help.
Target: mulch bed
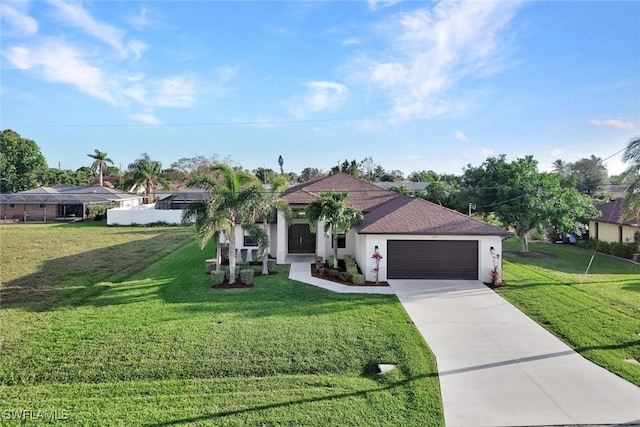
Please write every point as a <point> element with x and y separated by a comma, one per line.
<point>336,280</point>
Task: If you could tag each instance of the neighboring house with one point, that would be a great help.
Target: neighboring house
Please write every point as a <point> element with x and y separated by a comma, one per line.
<point>61,202</point>
<point>417,239</point>
<point>180,199</point>
<point>168,208</point>
<point>614,191</point>
<point>609,226</point>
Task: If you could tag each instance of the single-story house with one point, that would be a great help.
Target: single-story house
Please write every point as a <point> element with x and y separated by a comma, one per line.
<point>416,238</point>
<point>61,202</point>
<point>609,226</point>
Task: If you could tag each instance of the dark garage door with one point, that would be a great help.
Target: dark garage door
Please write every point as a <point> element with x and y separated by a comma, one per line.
<point>429,259</point>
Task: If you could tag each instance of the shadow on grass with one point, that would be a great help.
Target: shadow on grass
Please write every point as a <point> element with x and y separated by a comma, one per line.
<point>215,415</point>
<point>573,260</point>
<point>77,279</point>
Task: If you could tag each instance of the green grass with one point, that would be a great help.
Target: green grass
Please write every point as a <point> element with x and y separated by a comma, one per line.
<point>597,314</point>
<point>148,342</point>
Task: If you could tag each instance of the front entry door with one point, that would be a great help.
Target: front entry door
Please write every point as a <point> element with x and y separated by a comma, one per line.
<point>301,239</point>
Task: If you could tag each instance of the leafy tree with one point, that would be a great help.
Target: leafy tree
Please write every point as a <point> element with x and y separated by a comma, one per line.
<point>590,174</point>
<point>100,163</point>
<point>631,155</point>
<point>350,168</point>
<point>523,198</point>
<point>309,173</point>
<point>145,173</point>
<point>55,176</point>
<point>188,168</point>
<point>83,176</point>
<point>264,175</point>
<point>331,207</point>
<point>22,165</point>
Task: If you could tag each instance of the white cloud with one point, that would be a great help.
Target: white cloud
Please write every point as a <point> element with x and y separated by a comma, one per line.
<point>75,15</point>
<point>351,41</point>
<point>460,136</point>
<point>325,95</point>
<point>176,91</point>
<point>141,20</point>
<point>479,154</point>
<point>434,48</point>
<point>21,23</point>
<point>613,123</point>
<point>60,63</point>
<point>373,4</point>
<point>557,153</point>
<point>145,118</point>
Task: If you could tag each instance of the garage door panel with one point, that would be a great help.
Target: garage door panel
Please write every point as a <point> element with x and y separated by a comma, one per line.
<point>428,259</point>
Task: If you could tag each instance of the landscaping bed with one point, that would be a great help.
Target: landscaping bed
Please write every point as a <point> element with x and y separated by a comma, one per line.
<point>336,278</point>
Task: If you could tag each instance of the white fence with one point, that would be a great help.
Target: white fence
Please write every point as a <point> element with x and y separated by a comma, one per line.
<point>143,214</point>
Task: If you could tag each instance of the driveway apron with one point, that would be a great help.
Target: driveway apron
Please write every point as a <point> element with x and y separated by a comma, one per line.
<point>498,367</point>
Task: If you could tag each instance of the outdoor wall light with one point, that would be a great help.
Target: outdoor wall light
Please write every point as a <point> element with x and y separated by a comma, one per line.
<point>492,250</point>
<point>375,248</point>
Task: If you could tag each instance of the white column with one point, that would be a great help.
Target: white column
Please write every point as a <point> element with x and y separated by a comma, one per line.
<point>281,250</point>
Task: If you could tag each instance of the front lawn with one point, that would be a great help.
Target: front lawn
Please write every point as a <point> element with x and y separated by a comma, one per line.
<point>150,343</point>
<point>597,313</point>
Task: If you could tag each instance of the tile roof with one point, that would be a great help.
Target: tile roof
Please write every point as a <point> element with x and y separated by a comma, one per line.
<point>362,195</point>
<point>386,212</point>
<point>612,213</point>
<point>408,215</point>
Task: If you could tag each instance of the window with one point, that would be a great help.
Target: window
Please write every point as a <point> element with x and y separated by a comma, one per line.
<point>341,236</point>
<point>620,233</point>
<point>38,205</point>
<point>11,205</point>
<point>250,241</point>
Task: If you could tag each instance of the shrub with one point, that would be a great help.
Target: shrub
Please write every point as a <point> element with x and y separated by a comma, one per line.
<point>97,212</point>
<point>357,279</point>
<point>210,265</point>
<point>352,268</point>
<point>331,260</point>
<point>333,273</point>
<point>246,276</point>
<point>217,277</point>
<point>345,276</point>
<point>254,255</point>
<point>243,254</point>
<point>271,266</point>
<point>619,249</point>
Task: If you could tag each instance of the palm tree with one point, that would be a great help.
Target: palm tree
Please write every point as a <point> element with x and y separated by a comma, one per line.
<point>100,163</point>
<point>331,208</point>
<point>218,213</point>
<point>631,204</point>
<point>209,220</point>
<point>261,202</point>
<point>146,173</point>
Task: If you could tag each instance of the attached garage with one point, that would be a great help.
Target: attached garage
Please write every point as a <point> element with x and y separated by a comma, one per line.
<point>429,259</point>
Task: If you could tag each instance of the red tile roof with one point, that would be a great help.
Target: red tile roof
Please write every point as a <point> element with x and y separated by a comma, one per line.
<point>386,212</point>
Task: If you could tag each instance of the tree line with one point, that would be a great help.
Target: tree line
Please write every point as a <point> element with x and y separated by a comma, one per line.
<point>515,193</point>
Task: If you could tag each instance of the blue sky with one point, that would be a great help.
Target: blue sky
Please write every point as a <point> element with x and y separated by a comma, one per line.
<point>414,85</point>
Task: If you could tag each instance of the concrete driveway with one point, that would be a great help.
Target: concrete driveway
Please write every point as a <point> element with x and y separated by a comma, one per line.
<point>499,368</point>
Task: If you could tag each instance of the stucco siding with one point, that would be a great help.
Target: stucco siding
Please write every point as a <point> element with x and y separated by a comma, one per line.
<point>608,232</point>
